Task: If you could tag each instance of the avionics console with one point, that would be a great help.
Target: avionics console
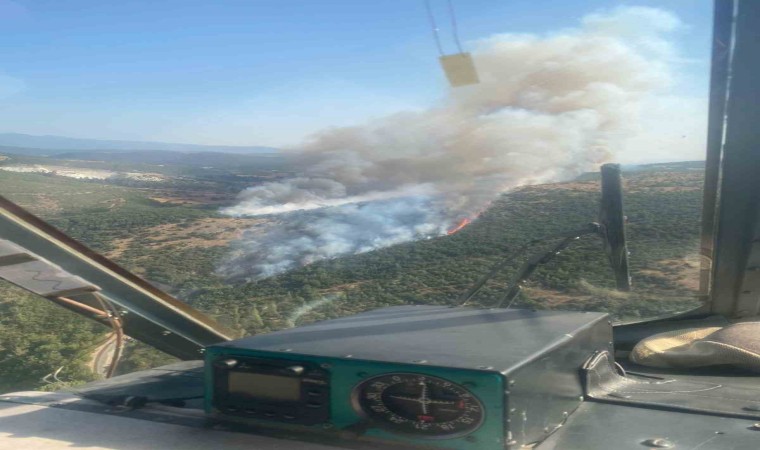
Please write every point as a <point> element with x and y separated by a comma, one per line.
<point>273,389</point>
<point>434,376</point>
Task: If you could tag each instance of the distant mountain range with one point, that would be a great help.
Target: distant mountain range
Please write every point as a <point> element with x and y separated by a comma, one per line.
<point>174,158</point>
<point>27,144</point>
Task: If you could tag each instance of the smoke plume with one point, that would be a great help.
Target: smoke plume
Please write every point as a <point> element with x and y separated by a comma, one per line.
<point>547,108</point>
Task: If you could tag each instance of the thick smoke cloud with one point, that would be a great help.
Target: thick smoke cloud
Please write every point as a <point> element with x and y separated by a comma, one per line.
<point>547,108</point>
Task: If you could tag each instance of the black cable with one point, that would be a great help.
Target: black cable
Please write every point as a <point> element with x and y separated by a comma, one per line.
<point>434,26</point>
<point>530,266</point>
<point>495,269</point>
<point>454,27</point>
<point>567,237</point>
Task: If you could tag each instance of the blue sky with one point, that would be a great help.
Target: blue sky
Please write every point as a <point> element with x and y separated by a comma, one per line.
<point>257,72</point>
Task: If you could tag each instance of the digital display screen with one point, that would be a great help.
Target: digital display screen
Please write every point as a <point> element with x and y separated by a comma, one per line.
<point>270,387</point>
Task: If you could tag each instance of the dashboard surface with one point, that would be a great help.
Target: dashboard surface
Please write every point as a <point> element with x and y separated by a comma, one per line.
<point>46,421</point>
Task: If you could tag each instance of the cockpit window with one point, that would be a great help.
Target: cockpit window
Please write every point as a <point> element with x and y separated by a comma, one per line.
<point>277,163</point>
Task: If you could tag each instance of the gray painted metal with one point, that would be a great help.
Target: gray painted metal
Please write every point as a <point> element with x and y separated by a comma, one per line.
<point>737,230</point>
<point>11,253</point>
<point>149,314</point>
<point>596,426</point>
<point>57,421</point>
<point>719,397</point>
<point>36,275</point>
<point>45,279</point>
<point>443,336</point>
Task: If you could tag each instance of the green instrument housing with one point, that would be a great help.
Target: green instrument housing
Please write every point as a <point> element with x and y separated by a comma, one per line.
<point>523,367</point>
<point>346,374</point>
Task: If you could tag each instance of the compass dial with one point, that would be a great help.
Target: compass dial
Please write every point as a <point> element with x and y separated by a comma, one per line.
<point>417,404</point>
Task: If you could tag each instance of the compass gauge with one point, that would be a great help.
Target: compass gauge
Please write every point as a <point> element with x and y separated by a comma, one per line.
<point>411,403</point>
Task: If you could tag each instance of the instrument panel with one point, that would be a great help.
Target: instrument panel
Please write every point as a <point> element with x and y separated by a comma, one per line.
<point>295,392</point>
<point>404,403</point>
<point>363,399</point>
<point>410,375</point>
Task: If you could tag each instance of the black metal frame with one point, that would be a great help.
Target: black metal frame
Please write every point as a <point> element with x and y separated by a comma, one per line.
<point>736,269</point>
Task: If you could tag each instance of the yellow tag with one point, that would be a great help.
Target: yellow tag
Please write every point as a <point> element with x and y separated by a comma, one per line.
<point>459,69</point>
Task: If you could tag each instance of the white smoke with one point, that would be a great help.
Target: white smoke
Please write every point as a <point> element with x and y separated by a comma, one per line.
<point>547,108</point>
<point>299,312</point>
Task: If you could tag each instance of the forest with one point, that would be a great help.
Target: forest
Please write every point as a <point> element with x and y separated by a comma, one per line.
<point>176,240</point>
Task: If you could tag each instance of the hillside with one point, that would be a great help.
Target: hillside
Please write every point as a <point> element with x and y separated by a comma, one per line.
<point>663,209</point>
<point>176,239</point>
<point>27,151</point>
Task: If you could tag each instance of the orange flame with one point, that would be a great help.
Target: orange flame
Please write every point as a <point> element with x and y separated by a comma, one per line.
<point>463,223</point>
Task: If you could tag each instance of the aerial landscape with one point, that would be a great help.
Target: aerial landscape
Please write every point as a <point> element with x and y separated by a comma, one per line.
<point>166,223</point>
<point>271,184</point>
<point>427,224</point>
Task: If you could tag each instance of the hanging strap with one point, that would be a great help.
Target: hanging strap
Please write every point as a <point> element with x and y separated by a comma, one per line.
<point>434,26</point>
<point>454,30</point>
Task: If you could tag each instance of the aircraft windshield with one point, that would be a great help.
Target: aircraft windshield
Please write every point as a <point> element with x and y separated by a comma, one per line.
<point>328,166</point>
